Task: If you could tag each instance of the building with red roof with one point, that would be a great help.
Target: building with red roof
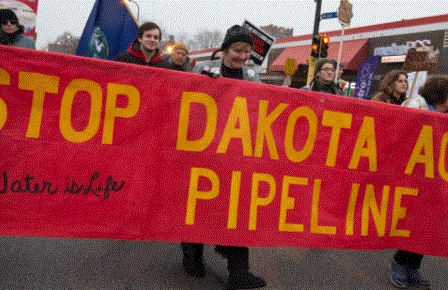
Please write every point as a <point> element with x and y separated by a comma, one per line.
<point>390,41</point>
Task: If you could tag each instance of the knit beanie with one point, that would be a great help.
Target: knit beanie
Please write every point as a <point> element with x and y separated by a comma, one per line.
<point>181,46</point>
<point>234,34</point>
<point>8,14</point>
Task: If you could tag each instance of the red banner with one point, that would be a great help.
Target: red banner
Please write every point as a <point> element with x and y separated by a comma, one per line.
<point>97,149</point>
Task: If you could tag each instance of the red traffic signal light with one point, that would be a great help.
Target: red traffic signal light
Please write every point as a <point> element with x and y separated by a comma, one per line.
<point>324,46</point>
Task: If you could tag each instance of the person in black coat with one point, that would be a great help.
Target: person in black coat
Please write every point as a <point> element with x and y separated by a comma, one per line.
<point>236,49</point>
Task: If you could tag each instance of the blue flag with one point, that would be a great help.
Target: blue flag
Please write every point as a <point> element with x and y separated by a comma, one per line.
<point>365,76</point>
<point>109,31</point>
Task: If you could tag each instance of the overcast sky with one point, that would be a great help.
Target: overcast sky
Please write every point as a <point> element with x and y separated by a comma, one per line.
<point>54,17</point>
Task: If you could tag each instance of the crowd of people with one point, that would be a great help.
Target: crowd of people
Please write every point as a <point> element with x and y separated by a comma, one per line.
<point>229,61</point>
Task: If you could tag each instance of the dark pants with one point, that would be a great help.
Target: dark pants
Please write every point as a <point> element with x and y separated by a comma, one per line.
<point>237,257</point>
<point>410,259</point>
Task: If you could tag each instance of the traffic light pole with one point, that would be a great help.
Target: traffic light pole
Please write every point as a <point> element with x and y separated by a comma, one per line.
<point>312,60</point>
<point>317,17</point>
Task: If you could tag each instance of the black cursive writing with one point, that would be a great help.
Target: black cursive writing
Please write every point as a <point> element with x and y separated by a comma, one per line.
<point>27,185</point>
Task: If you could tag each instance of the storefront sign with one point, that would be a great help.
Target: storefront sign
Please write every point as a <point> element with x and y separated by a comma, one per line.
<point>394,49</point>
<point>393,58</point>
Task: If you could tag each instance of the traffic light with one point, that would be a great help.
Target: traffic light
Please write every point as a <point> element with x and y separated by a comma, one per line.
<point>324,46</point>
<point>315,46</point>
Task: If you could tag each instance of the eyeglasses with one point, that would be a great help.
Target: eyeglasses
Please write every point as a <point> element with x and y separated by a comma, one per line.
<point>12,22</point>
<point>328,69</point>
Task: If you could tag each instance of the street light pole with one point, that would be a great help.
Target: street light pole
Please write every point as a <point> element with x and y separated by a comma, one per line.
<point>317,17</point>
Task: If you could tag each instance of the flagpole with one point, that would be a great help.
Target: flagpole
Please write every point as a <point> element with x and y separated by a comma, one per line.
<point>130,12</point>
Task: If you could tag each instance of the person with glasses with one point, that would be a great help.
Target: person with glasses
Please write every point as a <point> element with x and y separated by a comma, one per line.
<point>323,81</point>
<point>11,32</point>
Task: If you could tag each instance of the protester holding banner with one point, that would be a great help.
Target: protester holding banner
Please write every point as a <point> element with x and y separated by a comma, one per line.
<point>323,81</point>
<point>433,96</point>
<point>236,49</point>
<point>179,57</point>
<point>145,49</point>
<point>392,88</point>
<point>12,32</point>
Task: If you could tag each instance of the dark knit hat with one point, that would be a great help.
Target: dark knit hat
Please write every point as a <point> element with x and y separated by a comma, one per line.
<point>7,14</point>
<point>234,34</point>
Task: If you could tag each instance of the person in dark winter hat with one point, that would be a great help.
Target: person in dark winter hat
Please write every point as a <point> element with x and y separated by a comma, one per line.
<point>323,81</point>
<point>11,32</point>
<point>234,34</point>
<point>236,49</point>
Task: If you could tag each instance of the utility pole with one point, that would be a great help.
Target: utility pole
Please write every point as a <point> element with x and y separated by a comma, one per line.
<point>312,60</point>
<point>317,17</point>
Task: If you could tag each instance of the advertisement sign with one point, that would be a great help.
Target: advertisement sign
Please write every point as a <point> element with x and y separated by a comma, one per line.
<point>26,11</point>
<point>262,42</point>
<point>99,149</point>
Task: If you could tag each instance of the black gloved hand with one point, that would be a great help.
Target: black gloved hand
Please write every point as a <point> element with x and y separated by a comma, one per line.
<point>209,73</point>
